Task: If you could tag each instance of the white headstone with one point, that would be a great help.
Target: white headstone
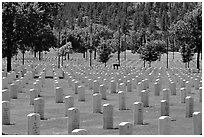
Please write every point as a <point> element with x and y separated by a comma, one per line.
<point>164,125</point>
<point>183,95</point>
<point>5,112</point>
<point>73,119</point>
<point>103,91</point>
<point>96,86</point>
<point>39,105</point>
<point>13,91</point>
<point>164,108</point>
<point>145,98</point>
<point>157,89</point>
<point>125,128</point>
<point>81,95</point>
<point>33,126</point>
<point>107,116</point>
<point>189,106</point>
<point>197,123</point>
<point>59,95</point>
<point>173,88</point>
<point>79,132</point>
<point>200,94</point>
<point>96,103</point>
<point>129,86</point>
<point>113,86</point>
<point>5,95</point>
<point>138,113</point>
<point>122,100</point>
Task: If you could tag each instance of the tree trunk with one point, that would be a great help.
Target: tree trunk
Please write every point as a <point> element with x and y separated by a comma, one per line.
<point>94,53</point>
<point>59,55</point>
<point>23,56</point>
<point>39,55</point>
<point>35,54</point>
<point>189,64</point>
<point>119,46</point>
<point>125,49</point>
<point>84,54</point>
<point>65,56</point>
<point>62,59</point>
<point>185,65</point>
<point>105,64</point>
<point>198,62</point>
<point>144,63</point>
<point>149,64</point>
<point>167,52</point>
<point>68,56</point>
<point>90,57</point>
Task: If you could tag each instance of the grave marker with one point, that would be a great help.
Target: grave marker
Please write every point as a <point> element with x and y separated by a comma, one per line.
<point>197,123</point>
<point>96,103</point>
<point>189,106</point>
<point>164,108</point>
<point>33,126</point>
<point>164,125</point>
<point>5,112</point>
<point>122,100</point>
<point>107,116</point>
<point>73,119</point>
<point>138,113</point>
<point>125,128</point>
<point>39,105</point>
<point>59,95</point>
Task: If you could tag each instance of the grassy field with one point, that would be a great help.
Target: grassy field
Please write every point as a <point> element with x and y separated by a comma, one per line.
<point>56,123</point>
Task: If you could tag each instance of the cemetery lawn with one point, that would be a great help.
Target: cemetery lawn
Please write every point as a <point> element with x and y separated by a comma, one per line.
<point>55,122</point>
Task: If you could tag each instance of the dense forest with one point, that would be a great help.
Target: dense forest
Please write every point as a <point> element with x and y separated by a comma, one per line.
<point>142,27</point>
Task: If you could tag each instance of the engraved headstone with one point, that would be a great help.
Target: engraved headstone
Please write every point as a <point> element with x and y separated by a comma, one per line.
<point>73,119</point>
<point>107,116</point>
<point>125,128</point>
<point>33,126</point>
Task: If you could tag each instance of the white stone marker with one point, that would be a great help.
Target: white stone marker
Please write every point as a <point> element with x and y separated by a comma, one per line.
<point>5,95</point>
<point>107,116</point>
<point>13,91</point>
<point>166,95</point>
<point>122,100</point>
<point>4,83</point>
<point>189,106</point>
<point>125,128</point>
<point>33,95</point>
<point>138,113</point>
<point>5,112</point>
<point>102,90</point>
<point>145,98</point>
<point>69,103</point>
<point>96,103</point>
<point>79,132</point>
<point>33,126</point>
<point>81,95</point>
<point>196,84</point>
<point>197,123</point>
<point>164,125</point>
<point>122,87</point>
<point>76,84</point>
<point>113,86</point>
<point>59,95</point>
<point>39,105</point>
<point>157,89</point>
<point>73,119</point>
<point>129,86</point>
<point>188,87</point>
<point>164,108</point>
<point>200,94</point>
<point>90,83</point>
<point>95,86</point>
<point>183,95</point>
<point>173,88</point>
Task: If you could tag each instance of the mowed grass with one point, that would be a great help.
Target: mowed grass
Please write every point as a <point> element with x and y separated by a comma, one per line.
<point>56,122</point>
